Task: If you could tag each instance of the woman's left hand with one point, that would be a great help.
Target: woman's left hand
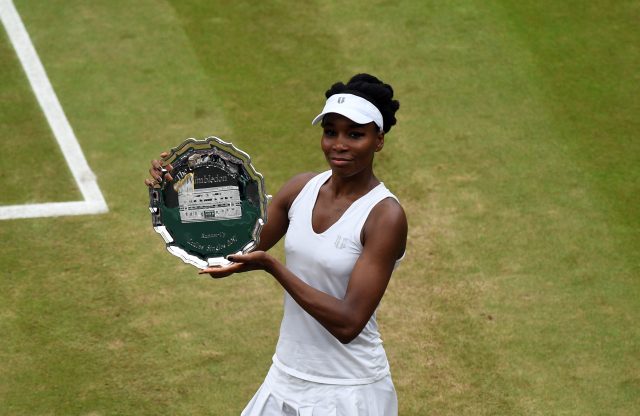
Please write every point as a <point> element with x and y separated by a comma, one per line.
<point>256,260</point>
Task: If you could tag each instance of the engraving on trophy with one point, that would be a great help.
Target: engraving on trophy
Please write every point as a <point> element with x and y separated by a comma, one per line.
<point>213,235</point>
<point>207,204</point>
<point>221,203</point>
<point>211,179</point>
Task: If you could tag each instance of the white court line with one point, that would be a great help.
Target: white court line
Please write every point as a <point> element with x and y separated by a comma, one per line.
<point>93,202</point>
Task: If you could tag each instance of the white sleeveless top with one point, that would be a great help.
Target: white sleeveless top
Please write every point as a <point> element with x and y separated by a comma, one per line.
<point>305,348</point>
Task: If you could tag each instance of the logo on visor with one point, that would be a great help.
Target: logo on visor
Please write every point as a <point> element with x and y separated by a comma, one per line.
<point>340,100</point>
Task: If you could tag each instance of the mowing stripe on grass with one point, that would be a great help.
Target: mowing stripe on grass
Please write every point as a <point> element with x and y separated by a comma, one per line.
<point>94,202</point>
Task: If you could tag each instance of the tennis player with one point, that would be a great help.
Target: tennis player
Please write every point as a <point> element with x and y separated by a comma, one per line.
<point>345,233</point>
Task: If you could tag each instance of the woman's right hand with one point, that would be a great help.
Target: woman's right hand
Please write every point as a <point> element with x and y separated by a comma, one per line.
<point>156,171</point>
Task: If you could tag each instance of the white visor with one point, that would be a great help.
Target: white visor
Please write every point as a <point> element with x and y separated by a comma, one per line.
<point>352,107</point>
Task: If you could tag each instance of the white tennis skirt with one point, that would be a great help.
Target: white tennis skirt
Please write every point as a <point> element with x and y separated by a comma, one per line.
<point>285,395</point>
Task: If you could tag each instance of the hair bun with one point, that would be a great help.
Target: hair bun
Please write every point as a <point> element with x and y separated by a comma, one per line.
<point>374,90</point>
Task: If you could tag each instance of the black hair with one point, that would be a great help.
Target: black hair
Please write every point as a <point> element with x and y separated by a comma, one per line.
<point>373,90</point>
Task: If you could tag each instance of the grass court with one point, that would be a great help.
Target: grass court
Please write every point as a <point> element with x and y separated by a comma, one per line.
<point>516,157</point>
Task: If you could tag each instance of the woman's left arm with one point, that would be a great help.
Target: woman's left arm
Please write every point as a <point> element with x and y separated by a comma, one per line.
<point>384,240</point>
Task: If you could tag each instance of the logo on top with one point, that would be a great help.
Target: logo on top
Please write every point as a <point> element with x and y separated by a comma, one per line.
<point>341,242</point>
<point>340,100</point>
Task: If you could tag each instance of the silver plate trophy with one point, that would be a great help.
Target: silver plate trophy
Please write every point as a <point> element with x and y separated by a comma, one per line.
<point>215,205</point>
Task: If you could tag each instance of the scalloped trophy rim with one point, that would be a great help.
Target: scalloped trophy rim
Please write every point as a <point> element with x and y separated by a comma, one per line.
<point>204,144</point>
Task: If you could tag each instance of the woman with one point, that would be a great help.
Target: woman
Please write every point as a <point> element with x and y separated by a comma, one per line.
<point>344,235</point>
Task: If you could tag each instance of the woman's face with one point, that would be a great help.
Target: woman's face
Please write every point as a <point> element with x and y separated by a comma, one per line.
<point>349,147</point>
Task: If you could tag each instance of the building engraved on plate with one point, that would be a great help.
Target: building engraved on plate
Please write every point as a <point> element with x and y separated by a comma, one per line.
<point>207,204</point>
